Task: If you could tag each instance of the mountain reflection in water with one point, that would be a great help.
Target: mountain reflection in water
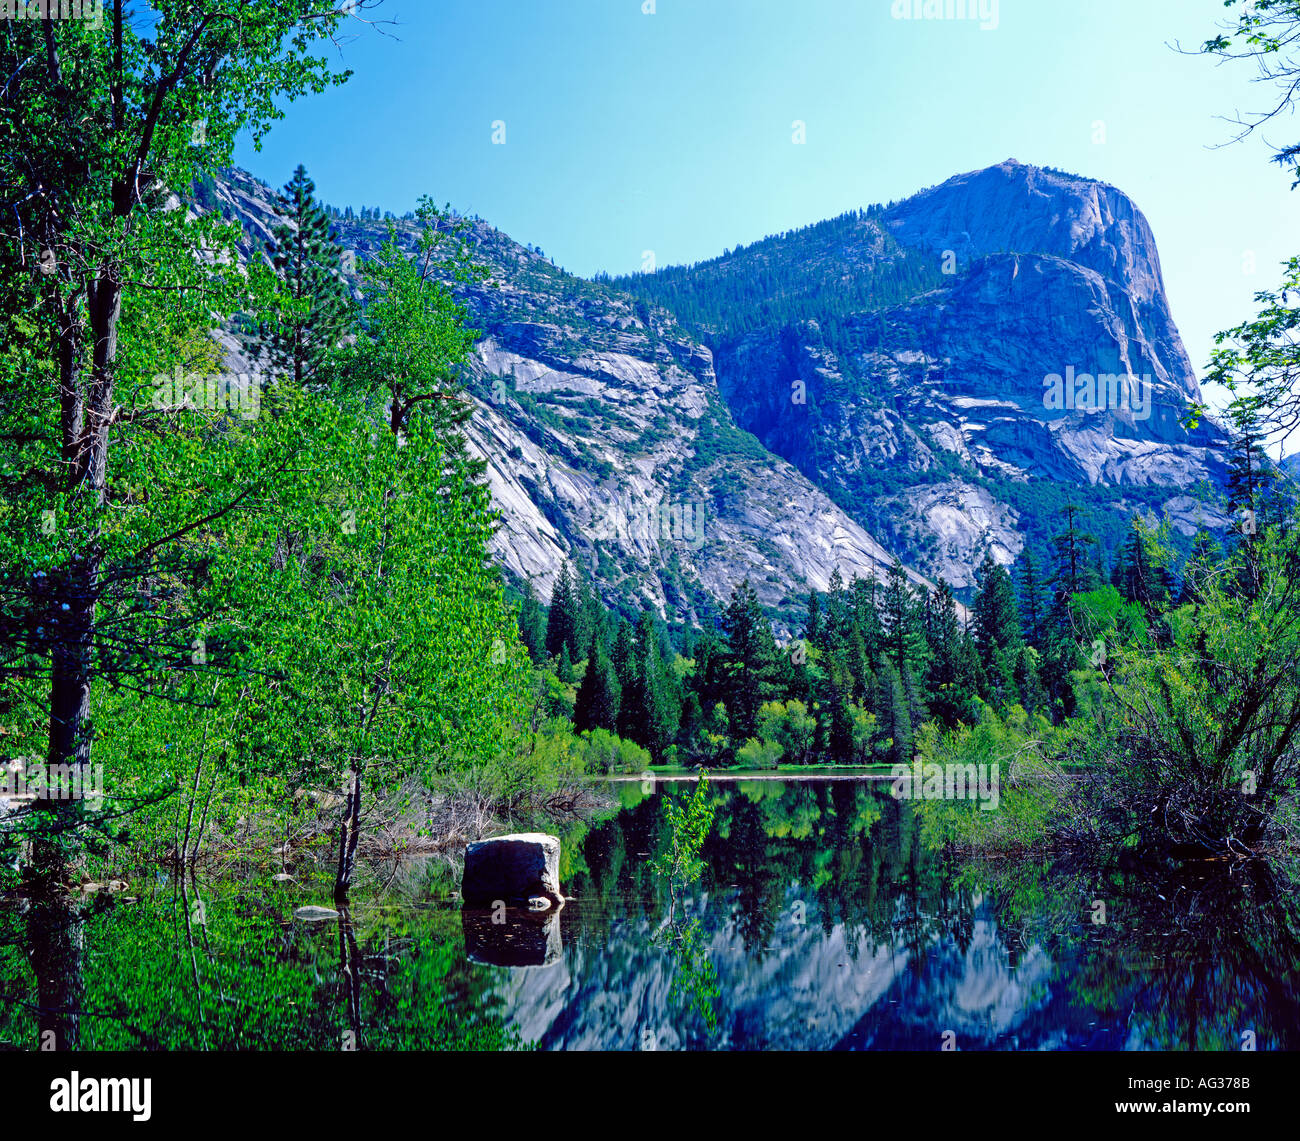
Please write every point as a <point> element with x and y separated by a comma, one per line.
<point>831,926</point>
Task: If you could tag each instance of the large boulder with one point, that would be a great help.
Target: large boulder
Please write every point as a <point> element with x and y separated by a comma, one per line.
<point>522,870</point>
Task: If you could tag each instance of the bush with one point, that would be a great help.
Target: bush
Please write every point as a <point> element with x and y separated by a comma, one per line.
<point>600,751</point>
<point>758,754</point>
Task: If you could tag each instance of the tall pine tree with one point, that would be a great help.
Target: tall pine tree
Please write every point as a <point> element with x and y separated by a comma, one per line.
<point>597,702</point>
<point>532,625</point>
<point>309,261</point>
<point>751,650</point>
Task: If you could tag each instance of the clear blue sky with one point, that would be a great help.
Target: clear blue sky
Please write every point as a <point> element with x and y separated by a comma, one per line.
<point>672,132</point>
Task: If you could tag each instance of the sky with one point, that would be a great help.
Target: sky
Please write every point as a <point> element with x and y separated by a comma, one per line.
<point>672,132</point>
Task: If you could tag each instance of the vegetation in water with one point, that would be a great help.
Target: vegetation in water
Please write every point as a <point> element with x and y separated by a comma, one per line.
<point>680,866</point>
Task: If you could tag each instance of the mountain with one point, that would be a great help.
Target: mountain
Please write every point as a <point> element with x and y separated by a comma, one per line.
<point>607,439</point>
<point>900,357</point>
<point>874,385</point>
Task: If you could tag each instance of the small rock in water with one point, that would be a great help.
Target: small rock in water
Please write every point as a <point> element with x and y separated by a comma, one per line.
<point>311,914</point>
<point>538,903</point>
<point>280,877</point>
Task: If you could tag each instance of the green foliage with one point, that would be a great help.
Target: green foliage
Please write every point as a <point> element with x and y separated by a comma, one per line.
<point>1194,749</point>
<point>750,658</point>
<point>219,968</point>
<point>680,865</point>
<point>761,286</point>
<point>688,828</point>
<point>600,751</point>
<point>597,703</point>
<point>1030,782</point>
<point>789,726</point>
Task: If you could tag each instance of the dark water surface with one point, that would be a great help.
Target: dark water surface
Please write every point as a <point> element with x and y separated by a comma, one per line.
<point>827,922</point>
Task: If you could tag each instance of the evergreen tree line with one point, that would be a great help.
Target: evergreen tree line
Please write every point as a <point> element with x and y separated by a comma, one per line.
<point>874,663</point>
<point>774,288</point>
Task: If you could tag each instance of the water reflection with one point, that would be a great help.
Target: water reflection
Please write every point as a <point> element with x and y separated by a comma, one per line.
<point>55,933</point>
<point>827,921</point>
<point>511,937</point>
<point>831,926</point>
<point>227,966</point>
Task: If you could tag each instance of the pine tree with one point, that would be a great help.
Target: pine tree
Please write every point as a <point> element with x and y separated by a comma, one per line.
<point>710,681</point>
<point>308,259</point>
<point>813,624</point>
<point>904,640</point>
<point>587,612</point>
<point>597,702</point>
<point>657,693</point>
<point>561,622</point>
<point>1071,546</point>
<point>839,738</point>
<point>1029,681</point>
<point>1073,574</point>
<point>836,621</point>
<point>952,679</point>
<point>997,621</point>
<point>895,723</point>
<point>1250,475</point>
<point>1119,573</point>
<point>857,659</point>
<point>997,628</point>
<point>1031,601</point>
<point>627,672</point>
<point>865,597</point>
<point>751,650</point>
<point>532,625</point>
<point>1137,579</point>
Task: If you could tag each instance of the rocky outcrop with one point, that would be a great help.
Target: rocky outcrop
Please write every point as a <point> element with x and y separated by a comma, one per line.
<point>894,419</point>
<point>607,441</point>
<point>1046,351</point>
<point>1092,229</point>
<point>522,870</point>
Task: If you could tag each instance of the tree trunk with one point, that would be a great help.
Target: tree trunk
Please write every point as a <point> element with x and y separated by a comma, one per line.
<point>350,967</point>
<point>348,839</point>
<point>85,419</point>
<point>54,932</point>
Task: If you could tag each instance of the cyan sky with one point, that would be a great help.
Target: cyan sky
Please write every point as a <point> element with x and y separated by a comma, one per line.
<point>671,132</point>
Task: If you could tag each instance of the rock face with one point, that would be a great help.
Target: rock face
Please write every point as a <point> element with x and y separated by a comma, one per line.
<point>607,441</point>
<point>935,387</point>
<point>865,388</point>
<point>515,869</point>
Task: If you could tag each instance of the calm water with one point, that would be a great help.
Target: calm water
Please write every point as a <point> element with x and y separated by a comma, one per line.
<point>825,921</point>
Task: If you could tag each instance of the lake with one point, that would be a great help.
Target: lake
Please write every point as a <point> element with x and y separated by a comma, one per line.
<point>824,919</point>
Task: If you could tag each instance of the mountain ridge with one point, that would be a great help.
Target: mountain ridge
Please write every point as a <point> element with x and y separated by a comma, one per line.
<point>601,409</point>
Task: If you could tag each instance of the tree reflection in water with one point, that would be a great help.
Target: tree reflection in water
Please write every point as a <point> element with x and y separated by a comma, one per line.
<point>823,918</point>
